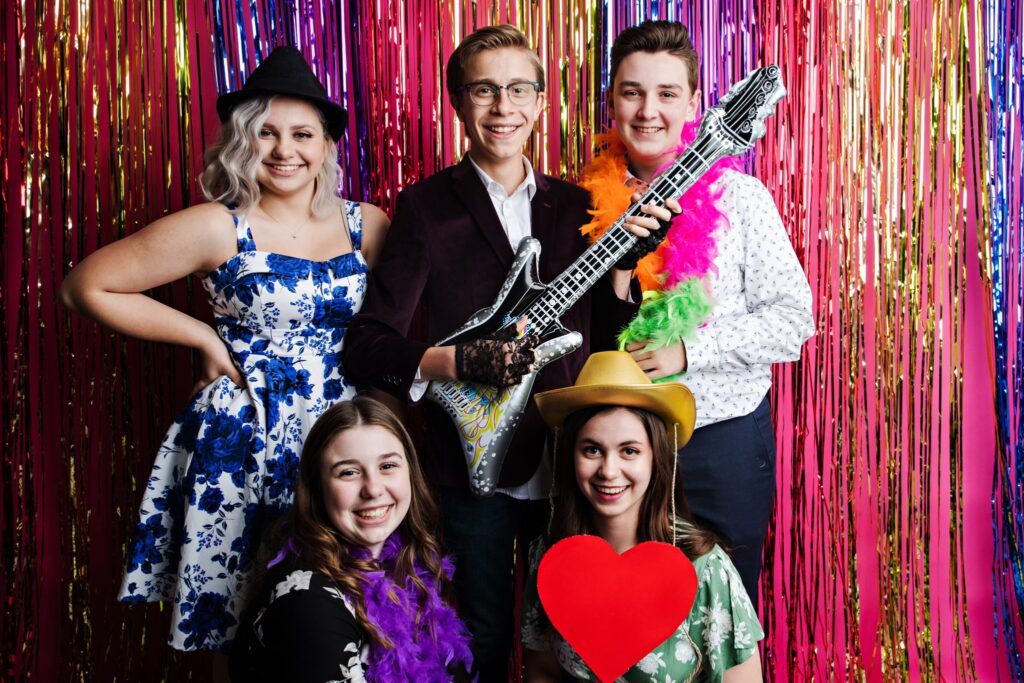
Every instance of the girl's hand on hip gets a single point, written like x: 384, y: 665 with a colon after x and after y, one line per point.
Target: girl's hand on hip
x: 215, y: 362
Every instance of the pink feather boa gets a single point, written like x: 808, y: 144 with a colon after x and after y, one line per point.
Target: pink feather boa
x: 690, y: 247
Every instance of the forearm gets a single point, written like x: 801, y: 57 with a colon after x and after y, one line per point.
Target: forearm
x: 620, y: 280
x: 140, y: 316
x: 609, y: 313
x: 771, y: 334
x: 376, y: 355
x: 747, y: 672
x: 438, y: 362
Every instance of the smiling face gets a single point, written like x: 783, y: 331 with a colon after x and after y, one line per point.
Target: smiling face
x: 613, y: 461
x: 366, y: 485
x: 498, y: 132
x: 293, y: 147
x: 651, y: 100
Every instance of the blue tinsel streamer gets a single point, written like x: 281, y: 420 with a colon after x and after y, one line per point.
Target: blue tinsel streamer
x: 1004, y: 20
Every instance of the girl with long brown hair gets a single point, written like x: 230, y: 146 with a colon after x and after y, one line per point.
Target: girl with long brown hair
x: 358, y: 588
x: 615, y: 477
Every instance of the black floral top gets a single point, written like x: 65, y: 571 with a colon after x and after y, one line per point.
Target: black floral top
x: 302, y: 628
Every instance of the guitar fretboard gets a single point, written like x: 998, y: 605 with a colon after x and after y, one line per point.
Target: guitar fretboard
x: 592, y: 264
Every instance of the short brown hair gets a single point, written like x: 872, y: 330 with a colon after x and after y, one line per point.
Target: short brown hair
x: 656, y: 36
x: 488, y: 38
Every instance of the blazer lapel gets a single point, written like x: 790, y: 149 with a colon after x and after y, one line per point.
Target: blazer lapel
x: 470, y: 189
x: 543, y: 213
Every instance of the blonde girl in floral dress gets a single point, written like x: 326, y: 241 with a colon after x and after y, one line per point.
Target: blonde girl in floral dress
x: 284, y: 260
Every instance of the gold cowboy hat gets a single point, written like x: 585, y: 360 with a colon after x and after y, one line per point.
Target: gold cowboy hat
x: 612, y: 378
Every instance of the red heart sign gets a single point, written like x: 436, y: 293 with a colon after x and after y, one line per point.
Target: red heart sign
x: 614, y: 610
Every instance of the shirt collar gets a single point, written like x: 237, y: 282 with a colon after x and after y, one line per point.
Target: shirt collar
x: 498, y: 190
x: 634, y: 183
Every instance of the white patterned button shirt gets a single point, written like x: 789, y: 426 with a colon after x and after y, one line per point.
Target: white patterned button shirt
x: 762, y: 306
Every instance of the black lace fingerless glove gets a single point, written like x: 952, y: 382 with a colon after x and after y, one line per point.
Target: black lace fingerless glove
x: 496, y: 362
x: 644, y: 246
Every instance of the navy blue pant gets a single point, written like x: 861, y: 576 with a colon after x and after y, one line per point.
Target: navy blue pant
x: 481, y: 534
x: 728, y: 471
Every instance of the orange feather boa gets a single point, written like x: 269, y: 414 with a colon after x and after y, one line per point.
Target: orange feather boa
x: 606, y: 179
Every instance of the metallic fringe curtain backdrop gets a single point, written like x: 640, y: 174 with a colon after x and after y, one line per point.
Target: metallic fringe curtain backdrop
x: 896, y: 162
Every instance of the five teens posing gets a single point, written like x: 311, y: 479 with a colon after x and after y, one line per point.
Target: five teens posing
x: 271, y: 366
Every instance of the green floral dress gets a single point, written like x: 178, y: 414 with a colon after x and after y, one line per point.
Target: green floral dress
x: 720, y: 632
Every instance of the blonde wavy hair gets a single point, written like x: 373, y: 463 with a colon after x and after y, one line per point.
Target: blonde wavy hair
x: 233, y: 159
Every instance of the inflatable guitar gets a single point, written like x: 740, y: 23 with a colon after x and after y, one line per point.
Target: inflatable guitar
x: 486, y: 417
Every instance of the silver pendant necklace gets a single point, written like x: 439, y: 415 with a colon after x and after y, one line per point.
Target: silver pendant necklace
x: 293, y: 233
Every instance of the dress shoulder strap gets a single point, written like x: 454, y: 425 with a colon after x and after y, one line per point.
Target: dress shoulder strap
x: 354, y: 223
x: 243, y: 234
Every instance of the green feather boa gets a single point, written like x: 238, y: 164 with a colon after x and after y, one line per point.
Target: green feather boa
x: 666, y: 318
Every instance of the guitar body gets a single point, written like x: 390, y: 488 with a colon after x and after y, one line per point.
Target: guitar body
x: 486, y: 417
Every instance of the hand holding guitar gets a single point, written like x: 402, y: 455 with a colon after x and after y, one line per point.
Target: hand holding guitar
x: 650, y: 229
x: 496, y: 362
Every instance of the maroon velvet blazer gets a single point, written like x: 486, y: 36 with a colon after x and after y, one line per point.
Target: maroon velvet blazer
x: 446, y: 251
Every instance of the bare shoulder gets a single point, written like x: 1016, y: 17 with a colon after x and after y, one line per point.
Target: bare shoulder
x: 206, y: 215
x: 203, y: 235
x: 373, y: 217
x: 375, y: 229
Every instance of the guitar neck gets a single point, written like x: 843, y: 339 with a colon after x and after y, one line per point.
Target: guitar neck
x: 598, y: 259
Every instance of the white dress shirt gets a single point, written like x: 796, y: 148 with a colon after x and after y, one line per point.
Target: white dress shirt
x: 762, y: 306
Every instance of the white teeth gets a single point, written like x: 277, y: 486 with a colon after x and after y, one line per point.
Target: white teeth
x: 284, y: 168
x: 375, y: 513
x: 611, y: 491
x: 502, y: 129
x: 646, y: 130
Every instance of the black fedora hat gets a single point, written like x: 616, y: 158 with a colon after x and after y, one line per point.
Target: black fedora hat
x: 285, y: 72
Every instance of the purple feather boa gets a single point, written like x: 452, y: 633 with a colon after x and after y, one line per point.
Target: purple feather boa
x: 424, y: 649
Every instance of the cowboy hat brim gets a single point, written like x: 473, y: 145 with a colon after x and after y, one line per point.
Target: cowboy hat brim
x: 671, y: 401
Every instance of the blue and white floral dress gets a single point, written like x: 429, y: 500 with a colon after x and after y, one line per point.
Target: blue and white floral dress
x: 228, y: 465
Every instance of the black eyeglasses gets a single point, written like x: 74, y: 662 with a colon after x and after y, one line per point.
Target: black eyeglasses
x: 484, y: 93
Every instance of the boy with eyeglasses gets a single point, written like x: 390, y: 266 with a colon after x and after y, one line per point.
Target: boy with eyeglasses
x: 450, y: 247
